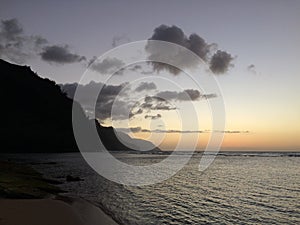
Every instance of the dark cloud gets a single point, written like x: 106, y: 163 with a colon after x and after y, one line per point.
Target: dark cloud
x: 153, y: 117
x: 40, y: 41
x: 158, y: 66
x: 112, y: 102
x: 106, y: 100
x: 208, y: 96
x: 135, y: 111
x: 250, y: 67
x: 60, y: 54
x: 168, y: 95
x: 146, y: 86
x: 174, y: 34
x: 106, y: 66
x: 220, y: 62
x: 156, y: 103
x: 189, y: 94
x: 114, y: 98
x: 114, y: 109
x: 15, y: 45
x: 11, y: 29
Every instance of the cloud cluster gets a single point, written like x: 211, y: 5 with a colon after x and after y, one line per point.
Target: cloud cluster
x: 16, y: 46
x: 185, y: 95
x: 113, y: 100
x: 219, y: 61
x: 156, y: 103
x: 106, y: 66
x: 146, y: 86
x: 105, y: 101
x: 163, y: 101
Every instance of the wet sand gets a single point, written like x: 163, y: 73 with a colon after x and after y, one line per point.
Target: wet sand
x: 51, y: 212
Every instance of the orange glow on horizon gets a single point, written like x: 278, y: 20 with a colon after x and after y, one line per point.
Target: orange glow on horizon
x: 231, y: 141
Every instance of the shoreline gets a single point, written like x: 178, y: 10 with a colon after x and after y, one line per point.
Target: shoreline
x: 27, y: 198
x: 67, y: 211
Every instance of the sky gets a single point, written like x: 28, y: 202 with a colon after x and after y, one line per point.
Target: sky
x: 257, y: 68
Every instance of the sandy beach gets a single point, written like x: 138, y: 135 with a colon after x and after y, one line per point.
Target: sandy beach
x: 51, y: 212
x: 27, y: 198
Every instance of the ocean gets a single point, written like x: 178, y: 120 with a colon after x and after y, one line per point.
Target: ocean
x: 237, y: 188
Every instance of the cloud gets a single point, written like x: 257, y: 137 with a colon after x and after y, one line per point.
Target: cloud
x: 11, y: 29
x: 156, y: 103
x: 136, y: 68
x: 173, y: 131
x: 208, y: 96
x: 220, y: 62
x: 109, y: 97
x: 139, y: 129
x: 193, y: 131
x: 115, y: 97
x: 140, y: 69
x: 174, y: 34
x: 15, y: 45
x: 119, y: 39
x: 252, y: 68
x: 129, y: 130
x: 153, y: 117
x: 60, y: 54
x: 112, y: 102
x: 148, y: 104
x: 106, y: 66
x: 135, y: 111
x: 146, y: 86
x: 233, y: 131
x: 186, y: 95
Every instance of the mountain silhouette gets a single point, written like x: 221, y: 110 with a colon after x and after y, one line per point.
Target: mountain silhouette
x: 36, y: 116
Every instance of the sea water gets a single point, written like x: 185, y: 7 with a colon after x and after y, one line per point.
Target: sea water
x: 237, y: 188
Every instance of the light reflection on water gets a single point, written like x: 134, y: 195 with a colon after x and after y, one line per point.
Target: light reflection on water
x: 233, y: 190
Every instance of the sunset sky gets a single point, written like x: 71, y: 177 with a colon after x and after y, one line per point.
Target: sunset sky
x: 259, y: 81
